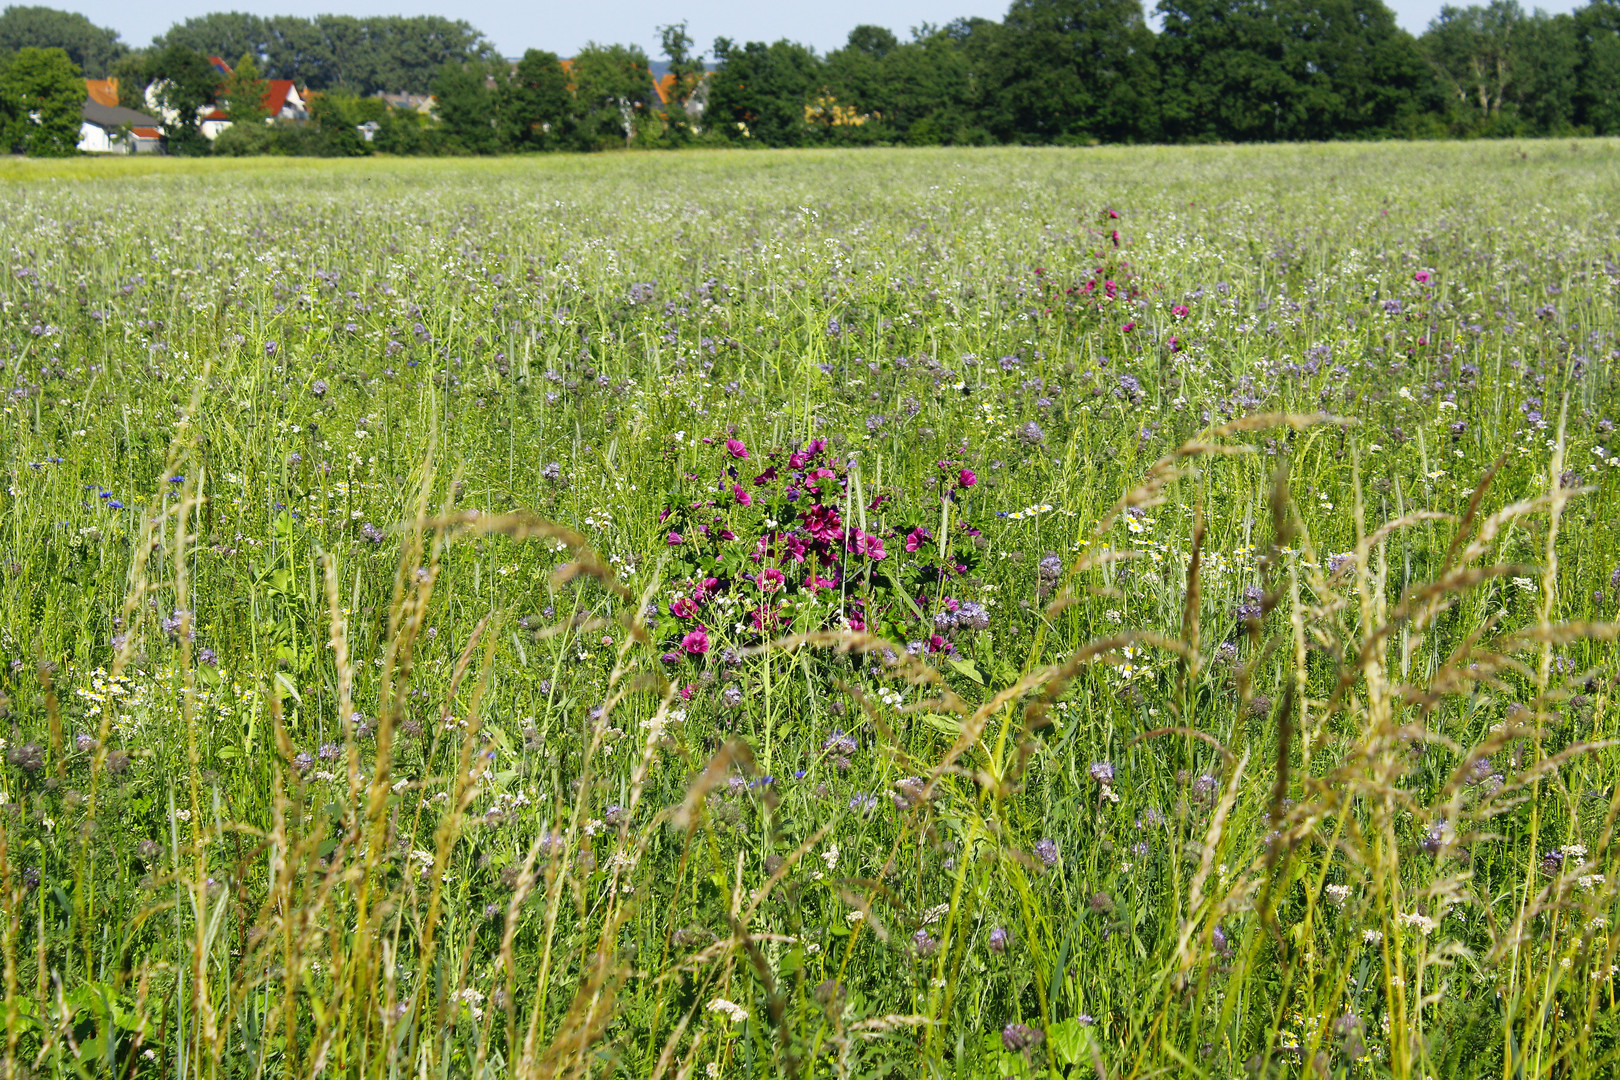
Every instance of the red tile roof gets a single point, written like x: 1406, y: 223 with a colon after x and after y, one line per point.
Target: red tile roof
x: 274, y: 100
x: 275, y: 95
x: 102, y: 91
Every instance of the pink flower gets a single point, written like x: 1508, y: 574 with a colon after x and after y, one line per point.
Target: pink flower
x: 966, y: 479
x: 1175, y: 344
x: 673, y: 539
x: 1179, y: 311
x: 684, y: 608
x: 1127, y: 328
x: 856, y: 623
x: 705, y: 587
x: 916, y: 538
x: 687, y: 691
x: 865, y: 544
x: 742, y: 497
x: 770, y: 579
x: 814, y: 583
x: 695, y: 643
x: 1422, y: 277
x: 736, y: 449
x: 822, y: 522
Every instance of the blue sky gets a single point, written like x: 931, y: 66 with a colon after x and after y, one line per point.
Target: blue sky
x: 515, y: 25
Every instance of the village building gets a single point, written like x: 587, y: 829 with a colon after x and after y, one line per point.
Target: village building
x: 107, y: 127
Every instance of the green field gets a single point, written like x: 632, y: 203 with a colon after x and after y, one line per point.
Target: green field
x: 1117, y: 612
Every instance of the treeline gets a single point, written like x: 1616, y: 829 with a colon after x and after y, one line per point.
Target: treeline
x: 1074, y: 72
x: 1082, y: 71
x: 361, y: 55
x: 1050, y: 72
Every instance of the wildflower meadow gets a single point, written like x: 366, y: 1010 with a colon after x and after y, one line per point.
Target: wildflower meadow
x: 900, y: 613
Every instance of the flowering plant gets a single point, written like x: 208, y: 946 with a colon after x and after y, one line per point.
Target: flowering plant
x: 765, y: 542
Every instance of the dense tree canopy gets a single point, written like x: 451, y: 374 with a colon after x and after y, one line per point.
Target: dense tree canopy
x: 613, y: 95
x: 91, y: 47
x: 374, y: 54
x: 184, y: 84
x: 41, y: 91
x: 535, y: 106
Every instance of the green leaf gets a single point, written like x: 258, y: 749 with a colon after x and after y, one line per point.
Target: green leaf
x: 966, y: 667
x: 1070, y: 1041
x: 945, y: 725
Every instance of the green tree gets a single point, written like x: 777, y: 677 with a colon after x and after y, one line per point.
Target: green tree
x: 1474, y: 53
x: 185, y: 85
x: 334, y: 127
x: 222, y: 34
x: 1597, y: 67
x: 686, y: 69
x: 465, y: 97
x: 92, y: 47
x: 533, y: 107
x: 1231, y: 72
x: 1547, y: 74
x: 921, y: 92
x: 860, y: 77
x: 613, y: 95
x: 759, y: 92
x: 405, y: 131
x: 41, y: 93
x: 241, y: 96
x: 1078, y: 70
x: 1356, y: 73
x: 245, y: 140
x: 130, y: 71
x: 364, y: 55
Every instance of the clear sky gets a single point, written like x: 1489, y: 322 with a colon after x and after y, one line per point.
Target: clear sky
x: 515, y: 25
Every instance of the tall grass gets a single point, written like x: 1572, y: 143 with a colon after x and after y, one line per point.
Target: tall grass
x: 1249, y: 711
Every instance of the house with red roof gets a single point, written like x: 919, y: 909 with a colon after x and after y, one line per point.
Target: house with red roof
x: 282, y: 101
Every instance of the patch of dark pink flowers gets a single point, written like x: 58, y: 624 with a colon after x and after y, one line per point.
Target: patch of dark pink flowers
x: 772, y: 529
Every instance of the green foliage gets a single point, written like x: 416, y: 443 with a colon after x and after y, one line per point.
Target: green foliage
x: 406, y: 131
x: 686, y: 70
x: 241, y: 95
x: 759, y: 92
x: 466, y: 96
x: 246, y: 138
x: 922, y: 92
x: 1597, y: 43
x: 131, y: 72
x: 41, y: 93
x: 1077, y: 71
x: 361, y: 55
x: 336, y: 119
x: 186, y: 86
x: 1503, y: 72
x: 534, y: 106
x: 93, y: 48
x: 613, y: 96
